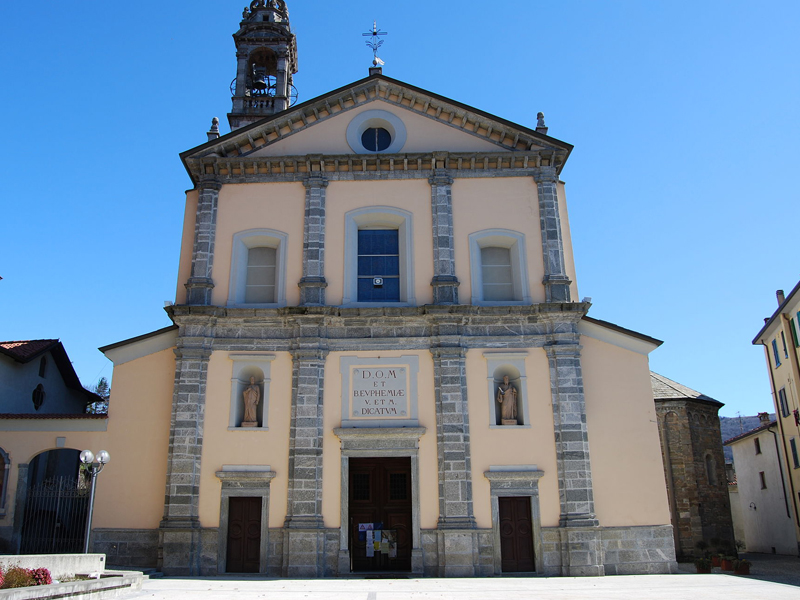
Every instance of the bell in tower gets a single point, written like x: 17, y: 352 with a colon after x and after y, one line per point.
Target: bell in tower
x: 266, y: 55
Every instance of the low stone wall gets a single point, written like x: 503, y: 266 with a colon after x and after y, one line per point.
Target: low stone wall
x: 94, y: 589
x: 136, y: 548
x: 59, y: 565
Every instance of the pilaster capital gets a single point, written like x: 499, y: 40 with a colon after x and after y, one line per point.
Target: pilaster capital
x: 315, y: 181
x: 440, y: 177
x: 309, y: 354
x: 187, y: 353
x: 563, y: 350
x: 210, y: 184
x: 545, y: 175
x: 449, y: 352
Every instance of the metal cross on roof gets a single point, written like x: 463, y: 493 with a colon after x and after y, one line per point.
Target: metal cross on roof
x: 375, y: 42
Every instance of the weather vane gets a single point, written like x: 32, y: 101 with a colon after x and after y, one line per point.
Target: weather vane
x: 375, y: 42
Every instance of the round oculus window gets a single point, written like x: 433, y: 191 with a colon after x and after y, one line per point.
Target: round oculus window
x: 376, y: 139
x: 376, y: 131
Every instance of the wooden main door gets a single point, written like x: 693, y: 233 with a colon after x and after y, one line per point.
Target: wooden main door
x: 380, y: 492
x: 516, y: 534
x: 244, y: 535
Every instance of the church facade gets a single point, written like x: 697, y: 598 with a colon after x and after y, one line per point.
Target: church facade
x: 379, y: 359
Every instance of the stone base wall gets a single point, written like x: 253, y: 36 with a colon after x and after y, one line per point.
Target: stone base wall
x: 639, y: 550
x: 625, y: 551
x: 7, y: 545
x: 136, y: 548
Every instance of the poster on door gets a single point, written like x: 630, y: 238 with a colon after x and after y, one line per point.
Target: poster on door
x: 378, y: 540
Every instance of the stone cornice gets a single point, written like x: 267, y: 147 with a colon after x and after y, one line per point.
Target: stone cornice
x: 344, y: 167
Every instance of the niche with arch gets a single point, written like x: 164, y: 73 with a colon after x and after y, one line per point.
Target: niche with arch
x: 511, y: 365
x: 245, y: 367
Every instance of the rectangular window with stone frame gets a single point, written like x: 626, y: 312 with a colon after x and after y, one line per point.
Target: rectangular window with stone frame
x: 775, y: 353
x: 261, y: 275
x: 782, y: 402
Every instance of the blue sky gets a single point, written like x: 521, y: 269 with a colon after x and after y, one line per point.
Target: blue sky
x: 682, y: 186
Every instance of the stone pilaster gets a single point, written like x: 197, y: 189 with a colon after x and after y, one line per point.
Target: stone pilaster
x: 200, y: 284
x: 555, y: 279
x: 457, y: 542
x: 180, y: 528
x: 313, y: 284
x: 304, y: 534
x: 581, y: 546
x: 445, y: 283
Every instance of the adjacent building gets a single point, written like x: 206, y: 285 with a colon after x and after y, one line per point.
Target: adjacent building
x: 781, y: 342
x: 765, y: 510
x: 379, y: 360
x: 694, y: 465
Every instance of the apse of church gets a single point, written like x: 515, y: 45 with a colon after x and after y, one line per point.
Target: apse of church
x: 410, y: 384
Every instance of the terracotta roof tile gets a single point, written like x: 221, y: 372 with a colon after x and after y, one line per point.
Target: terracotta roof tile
x: 25, y: 350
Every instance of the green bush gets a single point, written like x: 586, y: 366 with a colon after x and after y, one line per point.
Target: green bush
x: 17, y: 577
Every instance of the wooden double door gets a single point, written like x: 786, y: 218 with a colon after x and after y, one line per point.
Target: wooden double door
x: 380, y: 493
x: 244, y: 535
x: 516, y: 534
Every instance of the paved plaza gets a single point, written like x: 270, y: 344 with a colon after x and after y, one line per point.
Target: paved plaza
x: 772, y: 577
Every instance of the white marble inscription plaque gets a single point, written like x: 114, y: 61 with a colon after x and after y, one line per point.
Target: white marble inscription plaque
x: 379, y: 392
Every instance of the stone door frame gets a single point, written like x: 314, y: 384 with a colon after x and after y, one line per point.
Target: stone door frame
x: 516, y: 481
x: 379, y: 442
x: 243, y: 482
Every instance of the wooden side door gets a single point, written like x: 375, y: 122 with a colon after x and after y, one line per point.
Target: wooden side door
x: 516, y: 535
x: 244, y: 535
x: 380, y: 492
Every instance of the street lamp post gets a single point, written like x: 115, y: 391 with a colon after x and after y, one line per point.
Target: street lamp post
x: 94, y: 468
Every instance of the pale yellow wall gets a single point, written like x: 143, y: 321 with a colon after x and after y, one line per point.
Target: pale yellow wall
x: 187, y: 246
x: 497, y: 203
x: 423, y: 135
x: 500, y: 446
x: 566, y: 236
x: 627, y: 470
x: 278, y: 206
x: 223, y: 447
x: 413, y: 196
x: 130, y: 490
x: 331, y: 447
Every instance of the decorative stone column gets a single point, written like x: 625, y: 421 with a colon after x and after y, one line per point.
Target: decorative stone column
x: 282, y: 83
x: 555, y: 279
x: 304, y: 536
x: 200, y: 284
x: 180, y: 528
x: 445, y: 283
x: 313, y: 284
x: 457, y: 538
x: 581, y: 548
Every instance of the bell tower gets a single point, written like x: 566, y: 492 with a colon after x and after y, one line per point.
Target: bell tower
x: 266, y: 60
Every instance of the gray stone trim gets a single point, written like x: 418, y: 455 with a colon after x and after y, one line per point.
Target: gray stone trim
x: 241, y: 484
x: 200, y: 284
x: 571, y: 436
x: 355, y: 167
x: 20, y: 501
x: 452, y: 438
x: 304, y: 503
x: 179, y: 535
x: 380, y: 442
x: 555, y: 280
x: 5, y: 467
x: 313, y: 284
x: 516, y: 483
x: 445, y: 284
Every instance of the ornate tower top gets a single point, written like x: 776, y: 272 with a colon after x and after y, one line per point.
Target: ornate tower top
x: 266, y: 56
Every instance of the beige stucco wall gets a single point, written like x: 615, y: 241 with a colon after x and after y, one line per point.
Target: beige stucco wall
x: 498, y: 446
x: 502, y: 203
x: 277, y: 206
x: 245, y: 447
x: 627, y: 470
x: 331, y: 447
x: 423, y: 135
x: 187, y: 246
x: 130, y: 490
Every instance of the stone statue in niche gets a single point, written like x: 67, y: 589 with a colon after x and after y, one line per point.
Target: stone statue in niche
x: 251, y: 397
x: 507, y: 397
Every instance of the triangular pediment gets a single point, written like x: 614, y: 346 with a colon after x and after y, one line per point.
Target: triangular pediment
x: 432, y: 124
